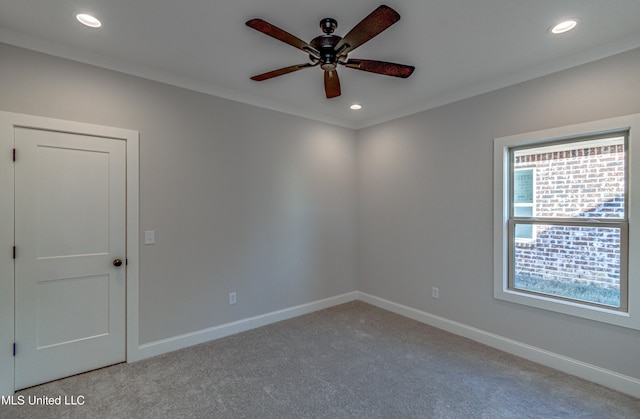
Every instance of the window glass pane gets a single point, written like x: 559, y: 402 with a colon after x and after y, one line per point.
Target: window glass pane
x: 523, y: 186
x: 523, y: 211
x: 584, y: 179
x: 524, y: 231
x: 575, y: 262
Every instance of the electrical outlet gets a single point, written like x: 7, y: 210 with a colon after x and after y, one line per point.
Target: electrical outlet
x: 435, y: 293
x: 232, y: 298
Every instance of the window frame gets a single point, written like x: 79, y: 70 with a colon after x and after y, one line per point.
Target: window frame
x: 503, y: 251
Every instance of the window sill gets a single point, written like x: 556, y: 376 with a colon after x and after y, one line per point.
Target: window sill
x: 600, y: 314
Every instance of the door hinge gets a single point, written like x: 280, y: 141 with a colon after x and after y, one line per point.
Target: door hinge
x: 14, y: 349
x: 14, y: 252
x: 14, y: 154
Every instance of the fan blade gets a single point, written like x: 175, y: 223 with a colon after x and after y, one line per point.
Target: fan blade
x: 275, y: 32
x: 282, y: 71
x: 331, y: 84
x: 379, y: 20
x: 381, y: 67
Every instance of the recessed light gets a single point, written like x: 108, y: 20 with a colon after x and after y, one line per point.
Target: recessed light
x: 564, y: 26
x: 88, y: 20
x: 356, y: 106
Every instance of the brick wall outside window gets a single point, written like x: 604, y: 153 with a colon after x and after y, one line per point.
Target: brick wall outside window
x: 583, y: 183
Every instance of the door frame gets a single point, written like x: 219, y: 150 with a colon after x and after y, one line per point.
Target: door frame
x: 8, y: 122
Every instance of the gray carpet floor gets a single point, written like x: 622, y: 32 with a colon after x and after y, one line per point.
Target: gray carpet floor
x: 349, y: 361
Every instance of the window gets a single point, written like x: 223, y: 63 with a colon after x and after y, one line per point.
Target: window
x: 578, y: 183
x: 563, y: 224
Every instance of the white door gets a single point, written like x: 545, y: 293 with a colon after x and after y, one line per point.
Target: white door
x: 70, y: 220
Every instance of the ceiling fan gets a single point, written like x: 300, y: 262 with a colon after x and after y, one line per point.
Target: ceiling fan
x: 329, y: 50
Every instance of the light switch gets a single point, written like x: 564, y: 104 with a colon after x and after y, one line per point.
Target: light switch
x: 149, y: 237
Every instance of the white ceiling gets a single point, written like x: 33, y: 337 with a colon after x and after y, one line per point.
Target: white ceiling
x: 460, y: 48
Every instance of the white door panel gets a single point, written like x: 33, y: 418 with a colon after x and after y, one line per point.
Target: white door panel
x: 64, y: 175
x: 70, y: 220
x: 60, y: 300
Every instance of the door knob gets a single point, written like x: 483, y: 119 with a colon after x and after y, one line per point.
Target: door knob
x: 117, y: 262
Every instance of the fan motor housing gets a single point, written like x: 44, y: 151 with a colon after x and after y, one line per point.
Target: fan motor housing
x: 326, y: 45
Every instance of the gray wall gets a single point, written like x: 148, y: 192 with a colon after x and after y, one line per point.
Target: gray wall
x: 426, y: 207
x: 241, y: 198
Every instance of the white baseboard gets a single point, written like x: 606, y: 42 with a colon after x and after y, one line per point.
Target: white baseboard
x: 607, y: 378
x: 189, y: 339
